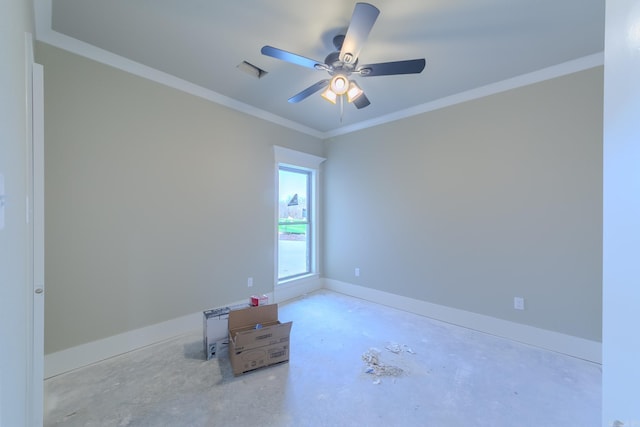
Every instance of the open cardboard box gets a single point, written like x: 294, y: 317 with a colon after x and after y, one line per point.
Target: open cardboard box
x: 251, y: 348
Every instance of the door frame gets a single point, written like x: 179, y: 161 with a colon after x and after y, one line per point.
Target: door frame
x: 35, y: 221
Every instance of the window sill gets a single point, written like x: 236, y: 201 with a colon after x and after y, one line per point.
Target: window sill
x: 297, y: 280
x: 296, y: 287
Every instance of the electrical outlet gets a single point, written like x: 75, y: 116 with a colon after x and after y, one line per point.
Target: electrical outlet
x: 518, y: 303
x: 357, y: 272
x: 250, y: 282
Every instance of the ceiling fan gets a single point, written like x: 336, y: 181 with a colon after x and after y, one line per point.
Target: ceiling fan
x: 343, y: 63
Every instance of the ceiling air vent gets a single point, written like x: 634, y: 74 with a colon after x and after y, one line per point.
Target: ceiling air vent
x: 251, y: 69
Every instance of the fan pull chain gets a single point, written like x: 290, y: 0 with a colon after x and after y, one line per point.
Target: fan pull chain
x: 341, y: 107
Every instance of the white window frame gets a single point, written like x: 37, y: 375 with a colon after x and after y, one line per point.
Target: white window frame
x: 309, y: 162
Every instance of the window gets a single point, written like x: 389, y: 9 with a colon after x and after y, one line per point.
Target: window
x: 297, y: 206
x: 294, y: 219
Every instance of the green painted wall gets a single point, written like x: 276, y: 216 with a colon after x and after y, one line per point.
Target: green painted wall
x: 471, y: 205
x: 159, y: 204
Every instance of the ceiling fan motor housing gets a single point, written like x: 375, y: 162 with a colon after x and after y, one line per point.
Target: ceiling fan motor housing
x: 338, y: 66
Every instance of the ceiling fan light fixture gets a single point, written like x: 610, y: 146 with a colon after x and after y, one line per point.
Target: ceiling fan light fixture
x: 339, y: 84
x: 330, y: 95
x: 354, y: 91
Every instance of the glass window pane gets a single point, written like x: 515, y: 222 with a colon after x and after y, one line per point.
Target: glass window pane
x: 292, y: 252
x: 294, y: 240
x: 293, y: 195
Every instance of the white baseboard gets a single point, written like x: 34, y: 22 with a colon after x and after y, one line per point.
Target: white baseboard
x: 297, y: 288
x: 95, y: 351
x: 85, y: 354
x: 554, y: 341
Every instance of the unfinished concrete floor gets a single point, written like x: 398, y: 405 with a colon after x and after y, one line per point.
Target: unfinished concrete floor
x: 451, y: 376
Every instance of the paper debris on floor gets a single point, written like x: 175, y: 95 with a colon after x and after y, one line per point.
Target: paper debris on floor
x: 376, y: 367
x: 397, y: 348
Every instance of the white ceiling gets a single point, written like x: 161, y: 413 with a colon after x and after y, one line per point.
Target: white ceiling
x: 196, y: 45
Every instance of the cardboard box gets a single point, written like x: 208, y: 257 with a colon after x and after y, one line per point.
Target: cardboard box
x: 257, y: 338
x: 215, y: 330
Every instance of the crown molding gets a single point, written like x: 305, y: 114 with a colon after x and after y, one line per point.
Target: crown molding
x: 86, y: 50
x: 548, y: 73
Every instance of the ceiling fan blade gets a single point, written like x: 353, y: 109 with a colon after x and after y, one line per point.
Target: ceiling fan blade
x: 411, y: 66
x: 309, y: 91
x: 362, y: 20
x: 291, y: 57
x: 361, y: 101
